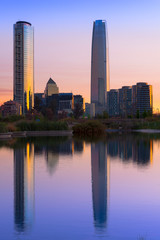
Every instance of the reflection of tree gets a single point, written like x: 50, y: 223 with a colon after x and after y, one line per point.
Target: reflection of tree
x: 99, y: 183
x: 23, y: 187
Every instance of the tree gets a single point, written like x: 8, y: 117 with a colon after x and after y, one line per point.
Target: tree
x: 105, y: 115
x: 144, y: 114
x: 49, y: 114
x: 78, y: 110
x: 53, y: 106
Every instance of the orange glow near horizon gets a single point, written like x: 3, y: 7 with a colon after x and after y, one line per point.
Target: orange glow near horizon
x: 68, y: 61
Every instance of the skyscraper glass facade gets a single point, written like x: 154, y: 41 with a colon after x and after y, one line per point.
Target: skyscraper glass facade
x: 24, y: 65
x: 99, y: 63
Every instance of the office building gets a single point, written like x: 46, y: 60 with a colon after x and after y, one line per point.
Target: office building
x: 99, y: 66
x: 51, y: 88
x: 66, y: 102
x: 23, y: 85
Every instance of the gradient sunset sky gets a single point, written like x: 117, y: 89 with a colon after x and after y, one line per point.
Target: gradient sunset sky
x: 63, y: 35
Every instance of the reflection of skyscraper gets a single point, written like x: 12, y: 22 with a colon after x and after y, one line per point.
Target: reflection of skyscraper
x: 139, y: 150
x: 99, y: 64
x: 52, y: 159
x: 142, y: 152
x: 78, y: 146
x: 23, y: 187
x: 23, y: 65
x: 99, y: 183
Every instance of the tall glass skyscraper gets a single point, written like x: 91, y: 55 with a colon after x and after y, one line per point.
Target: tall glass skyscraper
x: 23, y: 85
x: 99, y: 64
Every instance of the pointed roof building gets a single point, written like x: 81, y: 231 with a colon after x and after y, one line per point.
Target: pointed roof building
x: 51, y: 88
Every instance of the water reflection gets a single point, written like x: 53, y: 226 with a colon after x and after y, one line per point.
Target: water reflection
x: 53, y: 149
x: 125, y: 148
x: 100, y: 180
x: 23, y: 187
x: 128, y: 149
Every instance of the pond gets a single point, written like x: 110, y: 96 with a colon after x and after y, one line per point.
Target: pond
x: 64, y: 188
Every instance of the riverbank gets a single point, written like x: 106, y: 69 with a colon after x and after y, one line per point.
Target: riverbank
x: 80, y: 127
x: 67, y: 133
x: 22, y: 134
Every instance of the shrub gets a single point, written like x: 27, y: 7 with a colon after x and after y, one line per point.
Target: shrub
x: 11, y: 127
x: 89, y: 128
x: 3, y: 128
x: 13, y: 118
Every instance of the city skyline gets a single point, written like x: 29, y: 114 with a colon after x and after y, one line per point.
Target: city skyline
x: 133, y: 39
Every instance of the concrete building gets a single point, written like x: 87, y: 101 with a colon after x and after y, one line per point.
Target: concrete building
x: 41, y: 99
x: 112, y: 103
x: 51, y: 88
x: 134, y: 100
x: 66, y: 102
x: 125, y: 101
x: 128, y: 101
x: 144, y: 98
x: 78, y: 99
x: 53, y: 103
x: 99, y: 66
x: 87, y: 109
x: 90, y: 110
x: 10, y: 108
x: 23, y: 84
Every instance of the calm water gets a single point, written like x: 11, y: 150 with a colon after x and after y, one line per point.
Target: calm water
x: 60, y: 188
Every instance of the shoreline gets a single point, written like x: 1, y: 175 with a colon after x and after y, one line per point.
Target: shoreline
x: 56, y: 133
x: 69, y: 133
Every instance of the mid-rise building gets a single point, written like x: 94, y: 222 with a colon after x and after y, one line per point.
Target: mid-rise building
x: 66, y: 102
x: 23, y: 85
x: 10, y: 108
x: 87, y: 109
x: 78, y: 99
x: 112, y: 103
x: 128, y: 101
x: 134, y: 100
x: 144, y: 98
x: 125, y: 101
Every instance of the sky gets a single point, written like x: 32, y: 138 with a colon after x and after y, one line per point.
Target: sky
x: 62, y: 43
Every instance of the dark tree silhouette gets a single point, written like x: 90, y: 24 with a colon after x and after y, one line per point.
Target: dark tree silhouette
x: 78, y: 111
x: 37, y: 104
